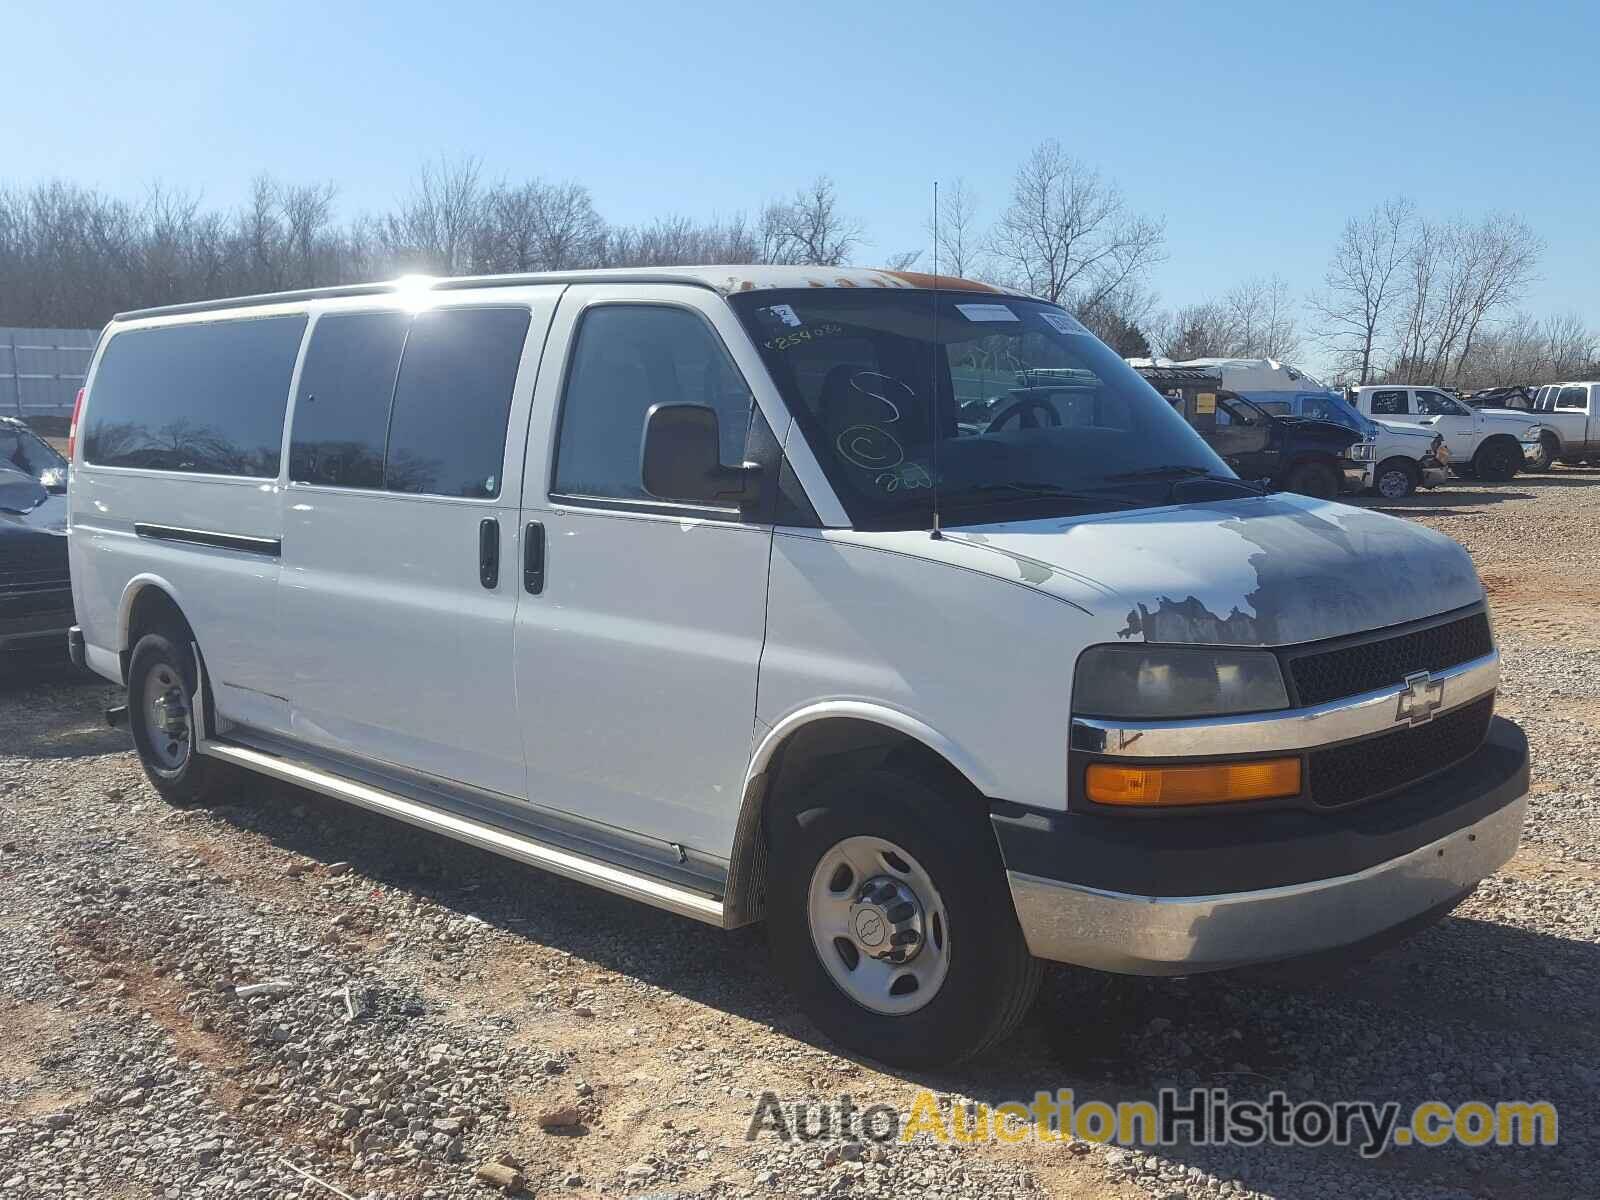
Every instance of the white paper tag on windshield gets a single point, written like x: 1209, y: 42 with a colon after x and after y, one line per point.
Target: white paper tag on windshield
x: 785, y: 314
x: 987, y: 312
x: 1061, y: 322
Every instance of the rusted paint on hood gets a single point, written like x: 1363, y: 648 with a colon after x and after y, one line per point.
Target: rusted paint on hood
x: 1274, y: 571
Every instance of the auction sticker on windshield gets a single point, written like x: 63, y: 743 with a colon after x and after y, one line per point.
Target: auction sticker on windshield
x: 784, y: 313
x: 1062, y: 323
x: 987, y: 312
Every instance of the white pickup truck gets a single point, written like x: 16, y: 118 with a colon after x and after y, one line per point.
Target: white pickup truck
x: 1569, y: 424
x: 1483, y: 442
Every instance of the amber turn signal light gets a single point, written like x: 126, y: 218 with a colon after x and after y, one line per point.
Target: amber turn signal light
x: 1219, y: 783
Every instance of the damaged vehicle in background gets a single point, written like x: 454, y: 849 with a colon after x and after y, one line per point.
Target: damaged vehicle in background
x: 1293, y: 454
x: 1482, y: 443
x: 35, y: 592
x: 1394, y: 460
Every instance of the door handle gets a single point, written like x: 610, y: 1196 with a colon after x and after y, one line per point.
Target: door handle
x: 489, y: 552
x: 533, y: 557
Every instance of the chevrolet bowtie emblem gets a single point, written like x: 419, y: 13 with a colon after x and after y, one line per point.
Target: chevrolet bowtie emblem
x: 1421, y: 699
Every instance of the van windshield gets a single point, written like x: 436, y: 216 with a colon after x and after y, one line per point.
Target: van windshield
x: 1035, y: 415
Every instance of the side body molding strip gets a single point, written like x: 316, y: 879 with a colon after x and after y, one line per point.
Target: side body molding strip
x: 270, y: 547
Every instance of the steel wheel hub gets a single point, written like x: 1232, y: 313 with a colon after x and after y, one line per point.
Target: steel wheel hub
x: 878, y: 924
x: 166, y: 718
x: 1393, y: 484
x: 886, y: 920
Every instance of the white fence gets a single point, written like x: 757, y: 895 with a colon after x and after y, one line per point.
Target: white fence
x: 41, y: 370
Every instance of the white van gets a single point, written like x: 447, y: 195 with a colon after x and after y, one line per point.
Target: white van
x: 706, y: 586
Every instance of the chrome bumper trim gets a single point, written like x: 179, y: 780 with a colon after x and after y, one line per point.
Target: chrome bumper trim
x: 1294, y: 729
x: 1162, y: 935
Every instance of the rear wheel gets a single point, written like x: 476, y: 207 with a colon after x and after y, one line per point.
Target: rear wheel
x: 1498, y: 460
x: 162, y: 691
x: 890, y: 918
x: 1396, y: 478
x: 1316, y: 479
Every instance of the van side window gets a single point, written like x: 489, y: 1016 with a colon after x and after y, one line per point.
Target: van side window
x: 447, y: 431
x: 341, y: 412
x: 1389, y: 403
x: 627, y: 358
x: 207, y: 397
x: 1572, y: 397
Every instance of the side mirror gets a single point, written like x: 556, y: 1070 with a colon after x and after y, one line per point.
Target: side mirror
x: 681, y: 459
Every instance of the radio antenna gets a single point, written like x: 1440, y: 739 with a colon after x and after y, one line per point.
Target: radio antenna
x: 933, y: 371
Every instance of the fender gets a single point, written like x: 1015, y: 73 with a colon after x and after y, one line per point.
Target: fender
x: 742, y: 899
x: 130, y: 593
x: 876, y: 714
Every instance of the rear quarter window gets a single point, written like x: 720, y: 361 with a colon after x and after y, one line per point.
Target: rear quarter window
x: 208, y: 398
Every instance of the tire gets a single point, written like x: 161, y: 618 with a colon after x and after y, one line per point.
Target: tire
x: 1396, y: 478
x: 975, y: 977
x: 163, y: 664
x: 1315, y: 479
x: 1497, y: 460
x: 1550, y: 451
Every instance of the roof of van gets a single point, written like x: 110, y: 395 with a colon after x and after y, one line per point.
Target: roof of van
x: 1245, y: 374
x: 725, y: 279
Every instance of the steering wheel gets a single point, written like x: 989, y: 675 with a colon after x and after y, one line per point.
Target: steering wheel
x: 1023, y: 408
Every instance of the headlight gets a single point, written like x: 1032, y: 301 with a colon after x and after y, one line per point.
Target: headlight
x: 1364, y: 451
x: 52, y: 478
x: 1163, y: 683
x: 1533, y: 433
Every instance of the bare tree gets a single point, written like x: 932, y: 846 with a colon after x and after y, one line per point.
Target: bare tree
x: 809, y: 229
x: 1203, y: 330
x: 1123, y: 319
x: 440, y: 224
x: 955, y: 234
x: 1263, y: 320
x: 1067, y: 234
x: 1499, y: 259
x: 1364, y: 284
x: 1460, y: 277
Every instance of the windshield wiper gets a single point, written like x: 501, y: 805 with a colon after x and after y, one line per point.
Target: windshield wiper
x: 1025, y: 489
x: 1163, y: 472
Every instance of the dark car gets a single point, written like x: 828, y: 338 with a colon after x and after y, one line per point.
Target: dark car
x: 22, y: 449
x: 35, y: 591
x: 1296, y: 454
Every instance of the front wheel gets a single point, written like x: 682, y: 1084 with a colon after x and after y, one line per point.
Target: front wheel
x: 1396, y: 478
x: 890, y: 919
x: 1498, y: 460
x: 1315, y: 479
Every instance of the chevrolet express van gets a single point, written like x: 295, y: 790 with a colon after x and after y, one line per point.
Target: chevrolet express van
x: 703, y: 586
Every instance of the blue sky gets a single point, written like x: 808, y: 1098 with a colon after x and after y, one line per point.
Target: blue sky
x: 1254, y: 129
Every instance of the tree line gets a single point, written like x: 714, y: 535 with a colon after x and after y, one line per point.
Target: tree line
x: 1405, y: 297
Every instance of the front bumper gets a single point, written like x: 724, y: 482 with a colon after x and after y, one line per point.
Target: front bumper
x: 1433, y: 472
x: 1207, y: 892
x: 1352, y: 474
x: 1532, y: 450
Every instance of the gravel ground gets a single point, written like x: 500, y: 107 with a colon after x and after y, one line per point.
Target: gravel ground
x: 288, y: 996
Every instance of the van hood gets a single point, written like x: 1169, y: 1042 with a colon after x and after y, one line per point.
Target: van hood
x: 1257, y: 571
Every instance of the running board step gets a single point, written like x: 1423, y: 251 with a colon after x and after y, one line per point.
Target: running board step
x: 475, y: 833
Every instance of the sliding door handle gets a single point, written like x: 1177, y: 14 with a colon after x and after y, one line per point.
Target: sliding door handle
x: 489, y: 552
x: 533, y: 558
